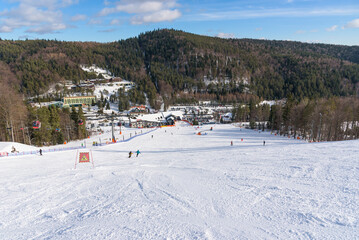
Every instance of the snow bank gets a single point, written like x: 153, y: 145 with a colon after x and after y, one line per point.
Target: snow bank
x: 7, y: 147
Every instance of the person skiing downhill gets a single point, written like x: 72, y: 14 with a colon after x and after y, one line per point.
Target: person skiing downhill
x: 130, y: 154
x: 40, y: 152
x: 137, y: 152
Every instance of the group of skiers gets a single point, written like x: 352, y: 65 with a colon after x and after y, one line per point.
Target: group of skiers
x: 130, y: 153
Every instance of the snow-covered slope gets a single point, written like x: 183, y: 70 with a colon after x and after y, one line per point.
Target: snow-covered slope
x: 185, y: 186
x: 105, y: 73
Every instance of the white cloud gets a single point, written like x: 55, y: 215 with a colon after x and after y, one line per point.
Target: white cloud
x: 115, y: 22
x: 300, y: 32
x: 230, y: 14
x: 145, y: 11
x: 47, y: 28
x: 95, y: 22
x: 160, y: 16
x: 225, y: 35
x: 41, y: 16
x: 50, y: 4
x: 78, y: 17
x: 332, y: 28
x: 108, y: 30
x: 352, y: 24
x: 6, y: 29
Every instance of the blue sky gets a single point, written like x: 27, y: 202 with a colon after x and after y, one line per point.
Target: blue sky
x: 316, y: 21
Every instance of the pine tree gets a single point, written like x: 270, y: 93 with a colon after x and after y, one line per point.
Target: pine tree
x: 56, y: 133
x: 43, y: 134
x: 287, y: 113
x: 82, y: 133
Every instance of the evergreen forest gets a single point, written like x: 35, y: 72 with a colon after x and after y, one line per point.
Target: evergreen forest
x: 175, y: 67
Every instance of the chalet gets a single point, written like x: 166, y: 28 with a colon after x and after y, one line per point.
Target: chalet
x: 226, y: 118
x: 137, y: 110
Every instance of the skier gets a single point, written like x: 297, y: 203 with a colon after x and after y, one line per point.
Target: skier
x: 129, y: 154
x: 231, y: 143
x: 137, y: 152
x: 264, y: 143
x: 40, y: 151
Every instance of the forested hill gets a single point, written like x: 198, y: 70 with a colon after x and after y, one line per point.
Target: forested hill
x: 176, y: 64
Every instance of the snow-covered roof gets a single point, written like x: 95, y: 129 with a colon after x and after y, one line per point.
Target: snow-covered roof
x: 159, y: 117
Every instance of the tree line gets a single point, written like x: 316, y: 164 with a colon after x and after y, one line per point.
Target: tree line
x: 17, y: 121
x: 331, y: 119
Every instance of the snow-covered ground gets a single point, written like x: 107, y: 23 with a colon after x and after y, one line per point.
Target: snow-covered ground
x: 106, y: 90
x: 186, y: 186
x: 105, y: 73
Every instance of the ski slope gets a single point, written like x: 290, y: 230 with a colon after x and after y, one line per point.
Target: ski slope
x: 186, y: 186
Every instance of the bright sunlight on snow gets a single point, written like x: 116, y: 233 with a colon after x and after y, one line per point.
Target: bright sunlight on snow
x: 186, y: 186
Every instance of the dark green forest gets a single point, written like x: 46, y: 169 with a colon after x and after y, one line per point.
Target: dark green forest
x: 169, y: 62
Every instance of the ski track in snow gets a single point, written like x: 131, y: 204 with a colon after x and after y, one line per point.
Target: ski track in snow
x: 185, y: 186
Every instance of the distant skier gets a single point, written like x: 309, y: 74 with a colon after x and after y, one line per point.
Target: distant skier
x: 137, y: 152
x: 231, y: 143
x: 40, y: 151
x: 264, y: 143
x: 130, y: 154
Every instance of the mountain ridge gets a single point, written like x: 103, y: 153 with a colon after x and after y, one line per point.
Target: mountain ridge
x: 169, y: 63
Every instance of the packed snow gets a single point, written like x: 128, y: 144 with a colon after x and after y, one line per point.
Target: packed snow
x: 185, y: 186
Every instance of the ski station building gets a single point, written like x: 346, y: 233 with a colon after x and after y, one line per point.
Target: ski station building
x: 78, y: 101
